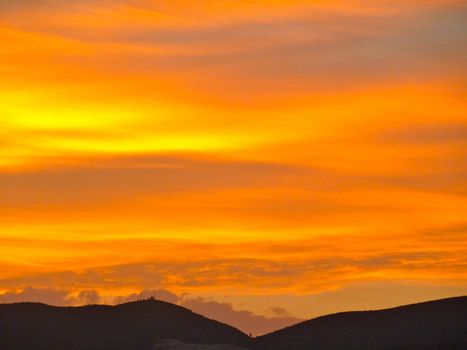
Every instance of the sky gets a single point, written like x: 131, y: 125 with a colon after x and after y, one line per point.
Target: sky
x: 260, y: 162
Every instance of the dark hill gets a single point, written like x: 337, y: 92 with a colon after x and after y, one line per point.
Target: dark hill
x: 131, y: 326
x: 435, y: 325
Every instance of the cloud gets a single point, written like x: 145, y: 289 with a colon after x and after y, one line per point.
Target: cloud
x: 88, y: 297
x: 54, y: 5
x: 118, y: 178
x: 332, y: 50
x: 427, y: 133
x: 40, y: 295
x: 244, y: 320
x: 305, y: 266
x: 320, y: 49
x: 279, y: 311
x: 51, y: 296
x: 272, y: 264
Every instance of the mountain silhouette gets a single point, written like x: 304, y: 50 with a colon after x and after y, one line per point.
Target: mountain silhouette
x: 130, y: 326
x: 435, y: 325
x: 157, y: 325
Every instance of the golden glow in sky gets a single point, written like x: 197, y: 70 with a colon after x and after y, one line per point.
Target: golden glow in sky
x: 307, y: 155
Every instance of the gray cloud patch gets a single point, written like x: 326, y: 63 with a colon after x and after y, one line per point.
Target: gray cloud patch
x: 310, y: 51
x: 244, y: 320
x: 47, y: 296
x: 128, y: 177
x: 438, y: 133
x: 50, y: 296
x: 324, y: 51
x: 88, y: 297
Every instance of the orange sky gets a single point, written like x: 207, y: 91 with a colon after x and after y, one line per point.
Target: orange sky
x: 307, y: 155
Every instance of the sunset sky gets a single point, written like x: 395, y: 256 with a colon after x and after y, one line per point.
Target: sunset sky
x: 284, y: 158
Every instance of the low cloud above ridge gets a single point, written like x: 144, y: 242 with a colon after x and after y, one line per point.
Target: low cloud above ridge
x: 244, y: 320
